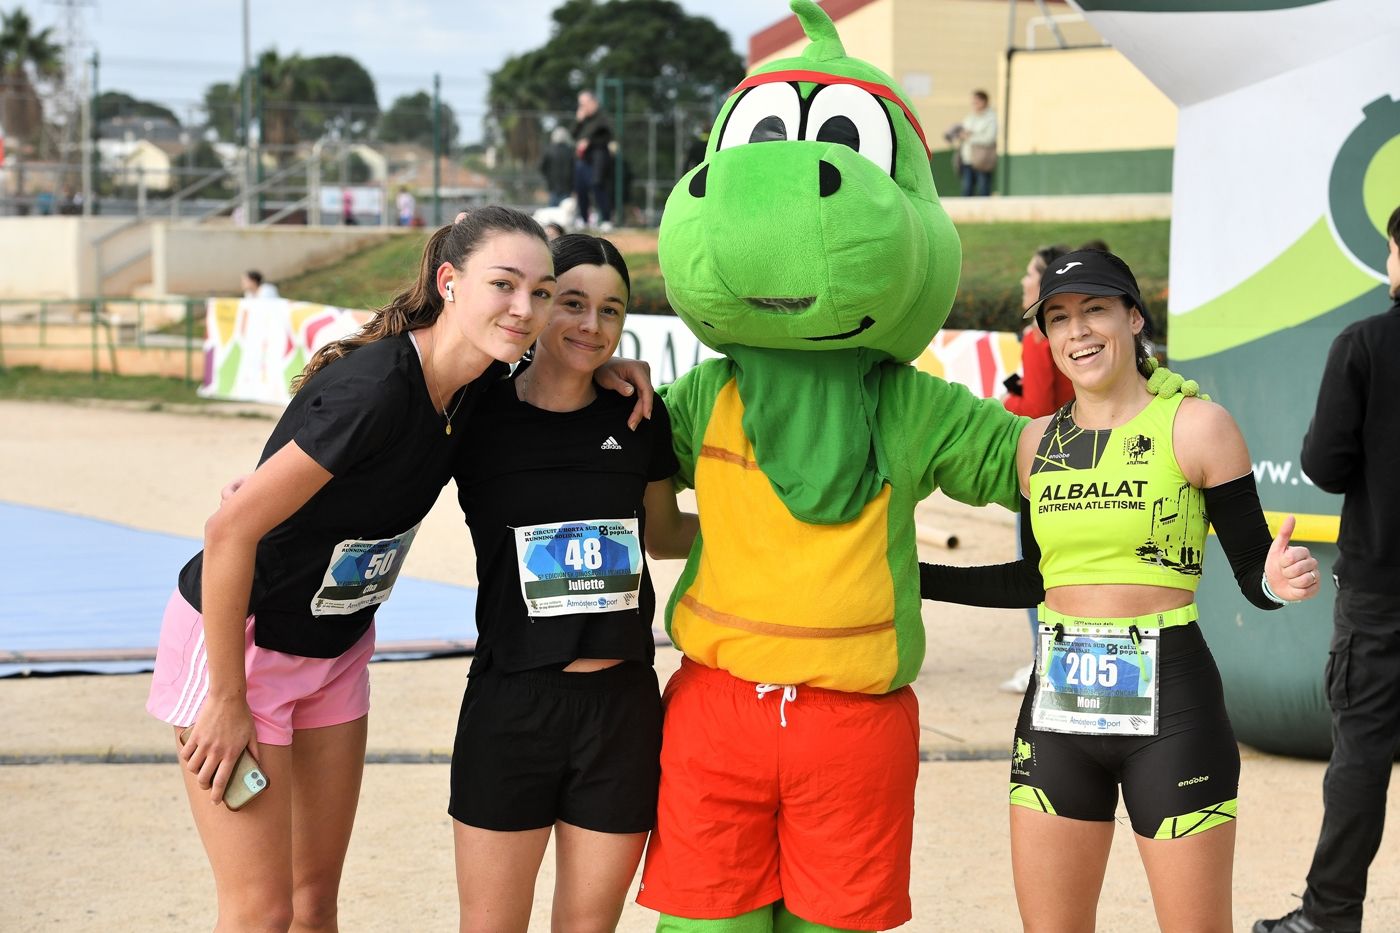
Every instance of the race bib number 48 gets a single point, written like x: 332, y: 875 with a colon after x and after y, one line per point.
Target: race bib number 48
x: 361, y: 574
x: 580, y: 567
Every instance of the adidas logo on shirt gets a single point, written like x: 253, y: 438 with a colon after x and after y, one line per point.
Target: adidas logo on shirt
x: 611, y: 444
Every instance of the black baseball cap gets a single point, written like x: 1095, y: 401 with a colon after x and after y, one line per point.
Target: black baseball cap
x: 1089, y: 272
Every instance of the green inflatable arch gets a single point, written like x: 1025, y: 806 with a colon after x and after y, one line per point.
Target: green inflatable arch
x: 1273, y: 663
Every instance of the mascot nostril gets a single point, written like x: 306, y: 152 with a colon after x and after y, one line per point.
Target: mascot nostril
x: 697, y: 182
x: 830, y: 178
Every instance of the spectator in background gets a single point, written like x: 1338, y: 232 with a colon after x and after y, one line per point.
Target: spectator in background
x: 255, y: 287
x: 407, y: 206
x: 977, y: 152
x: 1351, y: 448
x: 347, y: 207
x: 557, y: 166
x: 592, y: 162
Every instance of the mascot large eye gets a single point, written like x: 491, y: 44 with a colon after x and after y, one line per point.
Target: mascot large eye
x: 849, y: 116
x: 767, y: 113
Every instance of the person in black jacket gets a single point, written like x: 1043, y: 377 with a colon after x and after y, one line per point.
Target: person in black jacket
x: 593, y: 163
x: 557, y: 166
x: 1352, y: 448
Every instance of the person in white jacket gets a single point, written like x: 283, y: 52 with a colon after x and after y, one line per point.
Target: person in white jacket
x: 978, y: 152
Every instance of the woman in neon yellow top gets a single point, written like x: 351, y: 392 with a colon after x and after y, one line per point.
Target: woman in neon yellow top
x: 1120, y: 489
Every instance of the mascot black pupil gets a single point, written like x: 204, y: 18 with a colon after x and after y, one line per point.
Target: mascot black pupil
x: 769, y: 129
x: 840, y: 130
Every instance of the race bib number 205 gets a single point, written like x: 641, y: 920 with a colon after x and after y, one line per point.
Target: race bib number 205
x: 1096, y: 682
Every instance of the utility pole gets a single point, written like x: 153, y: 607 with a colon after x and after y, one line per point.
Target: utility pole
x: 90, y: 134
x: 247, y: 135
x: 437, y: 151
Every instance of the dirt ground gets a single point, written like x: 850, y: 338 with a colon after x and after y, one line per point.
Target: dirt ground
x: 95, y: 846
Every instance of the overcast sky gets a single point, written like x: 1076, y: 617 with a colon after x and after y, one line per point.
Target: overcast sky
x: 169, y: 51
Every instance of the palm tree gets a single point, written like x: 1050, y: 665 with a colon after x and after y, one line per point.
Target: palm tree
x: 286, y: 85
x: 26, y: 57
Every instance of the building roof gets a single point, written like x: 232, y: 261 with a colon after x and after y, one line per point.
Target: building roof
x: 788, y: 30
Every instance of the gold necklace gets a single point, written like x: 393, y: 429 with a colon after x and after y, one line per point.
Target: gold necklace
x: 432, y: 354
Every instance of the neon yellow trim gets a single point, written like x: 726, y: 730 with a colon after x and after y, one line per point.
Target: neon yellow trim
x: 1170, y: 618
x: 1309, y: 279
x: 1032, y: 798
x: 1315, y: 528
x: 1189, y: 824
x: 1322, y: 528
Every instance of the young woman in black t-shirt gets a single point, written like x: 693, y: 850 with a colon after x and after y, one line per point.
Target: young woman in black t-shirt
x: 560, y: 728
x: 266, y: 643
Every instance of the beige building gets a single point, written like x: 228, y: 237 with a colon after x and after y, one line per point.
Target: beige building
x: 1116, y: 138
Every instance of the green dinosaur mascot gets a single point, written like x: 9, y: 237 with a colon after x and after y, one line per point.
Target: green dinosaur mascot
x: 811, y: 250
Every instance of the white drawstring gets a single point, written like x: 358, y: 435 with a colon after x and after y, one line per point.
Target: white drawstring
x: 789, y: 695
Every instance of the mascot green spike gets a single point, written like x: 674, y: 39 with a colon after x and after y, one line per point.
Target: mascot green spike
x: 811, y: 250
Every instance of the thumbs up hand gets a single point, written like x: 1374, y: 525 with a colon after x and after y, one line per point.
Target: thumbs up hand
x: 1291, y: 570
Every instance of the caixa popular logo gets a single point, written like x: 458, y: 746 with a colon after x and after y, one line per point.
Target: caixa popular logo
x: 1365, y: 183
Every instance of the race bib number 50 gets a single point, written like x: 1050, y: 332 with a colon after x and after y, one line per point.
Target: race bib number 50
x: 360, y: 574
x: 580, y: 567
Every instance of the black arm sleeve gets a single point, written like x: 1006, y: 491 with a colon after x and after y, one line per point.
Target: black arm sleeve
x: 1015, y: 585
x: 1234, y: 511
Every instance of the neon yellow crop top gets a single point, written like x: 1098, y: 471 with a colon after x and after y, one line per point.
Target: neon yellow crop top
x: 1112, y: 506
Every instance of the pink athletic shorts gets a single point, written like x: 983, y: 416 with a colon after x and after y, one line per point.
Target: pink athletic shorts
x: 286, y: 692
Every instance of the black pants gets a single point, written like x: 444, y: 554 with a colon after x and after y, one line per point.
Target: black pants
x: 1363, y: 689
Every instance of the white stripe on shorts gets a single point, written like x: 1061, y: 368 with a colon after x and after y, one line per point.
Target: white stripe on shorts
x: 196, y: 684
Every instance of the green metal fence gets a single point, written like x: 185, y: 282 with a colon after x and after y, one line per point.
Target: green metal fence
x: 110, y: 330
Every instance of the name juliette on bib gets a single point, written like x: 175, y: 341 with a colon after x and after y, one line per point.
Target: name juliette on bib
x: 595, y: 556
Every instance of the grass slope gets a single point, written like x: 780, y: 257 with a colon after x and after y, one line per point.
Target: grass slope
x: 989, y: 297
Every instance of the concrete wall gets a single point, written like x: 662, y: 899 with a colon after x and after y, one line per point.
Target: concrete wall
x: 53, y: 257
x: 1123, y: 110
x: 47, y: 257
x: 199, y: 260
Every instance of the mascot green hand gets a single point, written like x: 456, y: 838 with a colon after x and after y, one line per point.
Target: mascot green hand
x: 811, y: 250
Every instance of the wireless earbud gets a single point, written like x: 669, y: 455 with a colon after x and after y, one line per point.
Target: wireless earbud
x: 449, y: 292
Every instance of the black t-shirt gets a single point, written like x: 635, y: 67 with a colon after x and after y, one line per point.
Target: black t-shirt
x: 367, y: 419
x: 531, y: 467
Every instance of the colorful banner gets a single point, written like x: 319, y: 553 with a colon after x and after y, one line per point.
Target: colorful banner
x: 255, y: 347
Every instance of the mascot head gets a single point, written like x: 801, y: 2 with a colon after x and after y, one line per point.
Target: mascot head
x: 813, y: 223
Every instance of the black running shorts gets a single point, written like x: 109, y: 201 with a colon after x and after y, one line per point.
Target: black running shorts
x: 1182, y: 781
x: 539, y: 746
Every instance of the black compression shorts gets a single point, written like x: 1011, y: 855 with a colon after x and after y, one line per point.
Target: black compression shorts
x: 543, y: 745
x: 1183, y: 780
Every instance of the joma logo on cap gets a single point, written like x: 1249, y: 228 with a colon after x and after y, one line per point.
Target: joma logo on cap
x: 1068, y: 267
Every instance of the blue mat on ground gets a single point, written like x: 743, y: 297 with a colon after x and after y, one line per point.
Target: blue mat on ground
x: 87, y: 595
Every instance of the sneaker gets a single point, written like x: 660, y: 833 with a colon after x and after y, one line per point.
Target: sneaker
x: 1295, y: 921
x: 1019, y: 681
